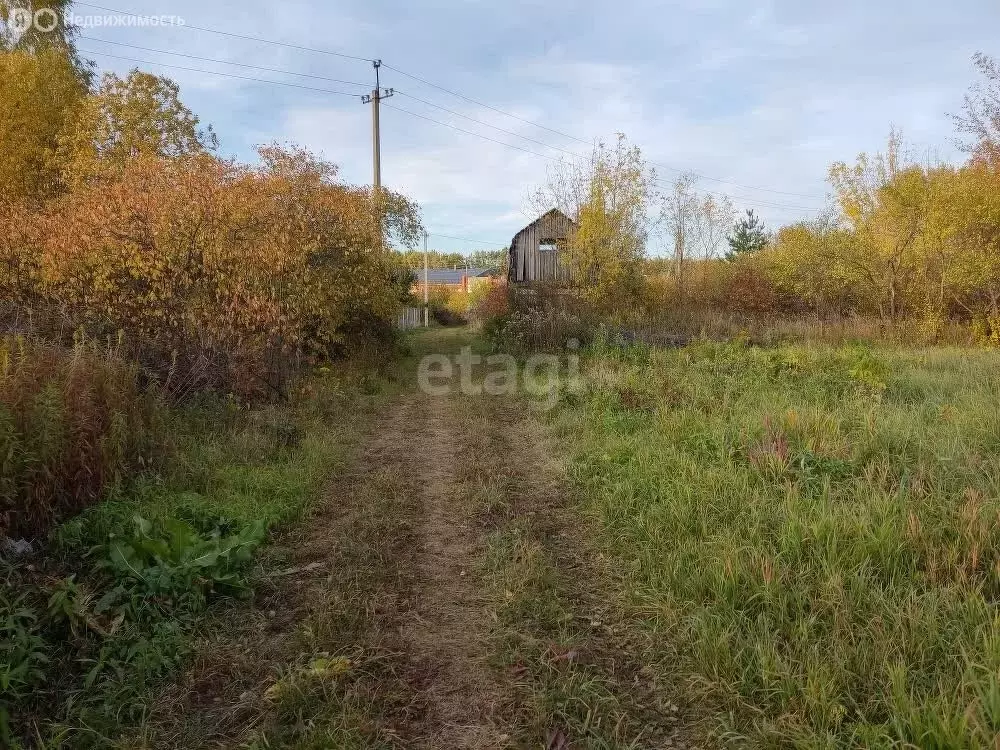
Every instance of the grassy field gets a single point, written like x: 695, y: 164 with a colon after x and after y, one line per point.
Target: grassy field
x: 808, y: 536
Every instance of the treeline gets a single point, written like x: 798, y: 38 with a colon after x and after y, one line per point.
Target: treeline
x: 117, y: 218
x: 906, y: 242
x: 910, y: 244
x: 493, y: 260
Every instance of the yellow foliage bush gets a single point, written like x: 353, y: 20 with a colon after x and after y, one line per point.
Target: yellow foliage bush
x: 239, y: 273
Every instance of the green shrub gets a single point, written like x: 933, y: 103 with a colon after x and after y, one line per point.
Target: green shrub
x: 177, y: 564
x: 546, y: 329
x: 22, y: 656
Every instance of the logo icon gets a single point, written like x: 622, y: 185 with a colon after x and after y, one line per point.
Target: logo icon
x: 46, y: 20
x: 19, y: 21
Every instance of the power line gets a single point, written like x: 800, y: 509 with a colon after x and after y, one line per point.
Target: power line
x: 223, y: 62
x: 332, y: 80
x: 484, y: 104
x: 488, y: 125
x: 217, y: 73
x: 317, y: 77
x: 736, y: 184
x: 755, y: 201
x: 469, y: 132
x: 324, y: 91
x: 237, y: 36
x: 767, y: 204
x: 581, y: 140
x: 770, y: 204
x: 451, y: 92
x: 412, y: 114
x: 465, y: 239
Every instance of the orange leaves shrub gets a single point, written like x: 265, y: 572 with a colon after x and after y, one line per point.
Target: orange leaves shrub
x: 491, y: 301
x: 240, y: 273
x: 19, y: 268
x: 750, y: 291
x: 72, y: 422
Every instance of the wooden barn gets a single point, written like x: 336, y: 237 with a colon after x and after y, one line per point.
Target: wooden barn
x: 534, y: 251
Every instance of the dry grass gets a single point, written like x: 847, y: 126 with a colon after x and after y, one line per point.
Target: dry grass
x: 73, y: 422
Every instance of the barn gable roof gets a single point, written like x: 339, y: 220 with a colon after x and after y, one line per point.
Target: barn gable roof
x: 528, y: 260
x: 552, y: 213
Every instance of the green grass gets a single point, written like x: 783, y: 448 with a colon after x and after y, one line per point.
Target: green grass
x: 100, y: 661
x: 811, y: 534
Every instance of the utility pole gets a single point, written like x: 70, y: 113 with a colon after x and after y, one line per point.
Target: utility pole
x: 376, y: 96
x: 426, y: 293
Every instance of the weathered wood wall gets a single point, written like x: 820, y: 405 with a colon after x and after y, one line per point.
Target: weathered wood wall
x: 528, y: 262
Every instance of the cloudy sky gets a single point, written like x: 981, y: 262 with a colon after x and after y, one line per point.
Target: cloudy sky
x: 756, y: 97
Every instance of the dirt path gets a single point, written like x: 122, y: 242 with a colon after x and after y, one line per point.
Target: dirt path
x: 433, y: 600
x: 446, y: 627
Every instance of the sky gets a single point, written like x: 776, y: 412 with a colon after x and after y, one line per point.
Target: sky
x: 757, y: 98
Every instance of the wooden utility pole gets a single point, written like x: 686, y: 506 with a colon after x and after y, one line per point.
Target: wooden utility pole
x: 376, y: 96
x: 426, y: 292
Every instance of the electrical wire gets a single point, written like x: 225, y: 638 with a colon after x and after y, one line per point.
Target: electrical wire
x: 223, y: 62
x: 465, y: 239
x: 234, y: 35
x: 468, y: 132
x: 424, y: 81
x: 226, y: 75
x: 582, y: 140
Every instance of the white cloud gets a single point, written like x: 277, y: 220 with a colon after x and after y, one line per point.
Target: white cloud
x: 764, y: 94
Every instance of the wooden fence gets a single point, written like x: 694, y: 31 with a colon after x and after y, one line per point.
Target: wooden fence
x: 411, y: 317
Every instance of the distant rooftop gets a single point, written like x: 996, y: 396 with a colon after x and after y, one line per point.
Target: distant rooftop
x: 449, y: 275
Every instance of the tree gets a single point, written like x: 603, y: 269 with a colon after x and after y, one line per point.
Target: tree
x: 237, y: 272
x: 435, y: 259
x: 52, y: 35
x: 493, y: 260
x: 885, y: 201
x: 806, y: 261
x: 608, y: 198
x: 679, y: 214
x: 40, y: 95
x: 141, y: 115
x: 981, y: 116
x: 715, y: 221
x: 749, y: 236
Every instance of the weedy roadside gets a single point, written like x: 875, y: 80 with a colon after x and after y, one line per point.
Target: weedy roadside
x: 111, y: 606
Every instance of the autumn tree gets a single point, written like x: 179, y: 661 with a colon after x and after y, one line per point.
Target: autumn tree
x: 435, y: 259
x: 608, y: 196
x: 962, y: 243
x: 493, y: 260
x: 716, y: 216
x: 241, y: 272
x: 807, y: 260
x: 679, y: 217
x: 125, y: 118
x: 980, y: 117
x: 42, y: 83
x: 51, y: 33
x: 40, y: 95
x: 884, y: 199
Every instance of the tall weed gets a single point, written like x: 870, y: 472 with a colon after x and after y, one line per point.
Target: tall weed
x: 73, y: 422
